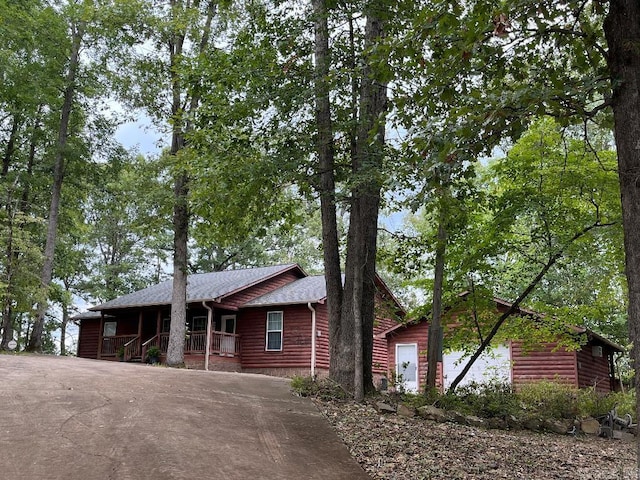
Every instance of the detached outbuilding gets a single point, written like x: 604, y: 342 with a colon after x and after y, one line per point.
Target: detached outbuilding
x: 592, y: 365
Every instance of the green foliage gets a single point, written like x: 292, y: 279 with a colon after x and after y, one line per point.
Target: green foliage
x: 549, y: 399
x: 593, y: 404
x: 324, y: 389
x: 153, y: 352
x: 546, y: 399
x: 552, y: 194
x: 128, y: 222
x: 483, y: 400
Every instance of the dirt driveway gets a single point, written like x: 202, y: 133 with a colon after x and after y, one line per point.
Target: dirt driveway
x: 70, y: 418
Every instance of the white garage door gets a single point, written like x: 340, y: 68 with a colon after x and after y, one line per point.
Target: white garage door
x: 491, y: 366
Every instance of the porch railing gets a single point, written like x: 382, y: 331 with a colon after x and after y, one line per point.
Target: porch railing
x: 227, y: 344
x: 132, y: 349
x: 152, y: 342
x: 111, y: 345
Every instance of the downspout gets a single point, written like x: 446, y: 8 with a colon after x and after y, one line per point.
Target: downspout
x: 313, y: 340
x: 207, y: 347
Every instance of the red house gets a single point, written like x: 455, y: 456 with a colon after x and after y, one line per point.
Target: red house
x: 591, y: 365
x: 269, y: 320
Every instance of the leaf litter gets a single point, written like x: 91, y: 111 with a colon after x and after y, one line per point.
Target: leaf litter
x: 394, y: 447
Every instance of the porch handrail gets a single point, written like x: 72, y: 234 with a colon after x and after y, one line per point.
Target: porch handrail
x: 111, y: 344
x: 131, y: 348
x: 227, y: 344
x: 152, y: 342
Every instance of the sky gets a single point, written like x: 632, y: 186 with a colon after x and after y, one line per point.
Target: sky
x: 141, y: 136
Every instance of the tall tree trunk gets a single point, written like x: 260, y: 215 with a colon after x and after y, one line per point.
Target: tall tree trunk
x: 11, y: 146
x: 365, y: 203
x: 434, y: 349
x: 11, y: 253
x: 63, y: 329
x: 358, y: 374
x: 7, y: 298
x: 181, y: 126
x: 622, y: 31
x: 35, y: 341
x: 325, y: 152
x: 175, y: 347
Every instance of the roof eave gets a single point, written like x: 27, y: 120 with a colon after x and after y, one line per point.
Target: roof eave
x: 281, y: 304
x: 293, y: 266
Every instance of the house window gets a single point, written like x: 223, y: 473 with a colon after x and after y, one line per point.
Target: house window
x: 109, y: 329
x: 166, y: 324
x: 274, y: 331
x: 199, y: 324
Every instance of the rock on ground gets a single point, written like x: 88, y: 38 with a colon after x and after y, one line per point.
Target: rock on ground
x: 399, y: 447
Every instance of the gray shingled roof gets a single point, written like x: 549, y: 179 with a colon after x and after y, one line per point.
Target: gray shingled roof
x: 87, y: 316
x: 305, y: 290
x: 203, y: 286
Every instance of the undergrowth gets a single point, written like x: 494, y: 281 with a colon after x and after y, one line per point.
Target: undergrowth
x: 544, y: 399
x: 324, y: 389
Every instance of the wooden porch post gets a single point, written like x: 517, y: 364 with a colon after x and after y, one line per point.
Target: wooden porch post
x: 207, y: 346
x: 158, y: 322
x: 140, y: 332
x: 100, y: 335
x: 612, y: 370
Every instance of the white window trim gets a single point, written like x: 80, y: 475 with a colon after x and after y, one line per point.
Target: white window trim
x: 224, y: 319
x: 201, y: 317
x: 110, y: 324
x: 266, y: 341
x: 165, y: 321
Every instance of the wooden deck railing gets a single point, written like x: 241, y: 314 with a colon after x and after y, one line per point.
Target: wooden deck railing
x: 152, y: 342
x: 132, y: 349
x: 111, y: 345
x: 227, y: 344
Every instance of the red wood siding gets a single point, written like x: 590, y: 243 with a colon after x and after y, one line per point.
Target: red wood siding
x: 381, y: 353
x: 419, y: 334
x: 88, y: 338
x: 128, y: 325
x: 269, y: 285
x: 296, y: 338
x: 322, y: 342
x: 543, y: 364
x: 594, y: 371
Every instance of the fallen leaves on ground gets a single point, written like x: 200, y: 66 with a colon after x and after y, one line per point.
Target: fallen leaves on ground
x: 395, y: 447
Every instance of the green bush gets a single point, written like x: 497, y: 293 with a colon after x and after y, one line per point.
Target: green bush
x: 493, y: 399
x: 325, y: 389
x: 544, y: 399
x: 548, y: 399
x: 593, y: 404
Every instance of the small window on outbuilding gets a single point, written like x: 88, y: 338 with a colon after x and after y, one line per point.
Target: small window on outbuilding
x: 274, y: 331
x: 109, y: 329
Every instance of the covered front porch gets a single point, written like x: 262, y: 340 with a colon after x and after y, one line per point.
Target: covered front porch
x: 127, y: 338
x: 133, y: 348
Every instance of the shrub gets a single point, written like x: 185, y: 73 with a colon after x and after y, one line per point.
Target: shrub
x: 494, y: 399
x: 548, y: 399
x: 325, y: 389
x: 545, y: 399
x: 593, y: 404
